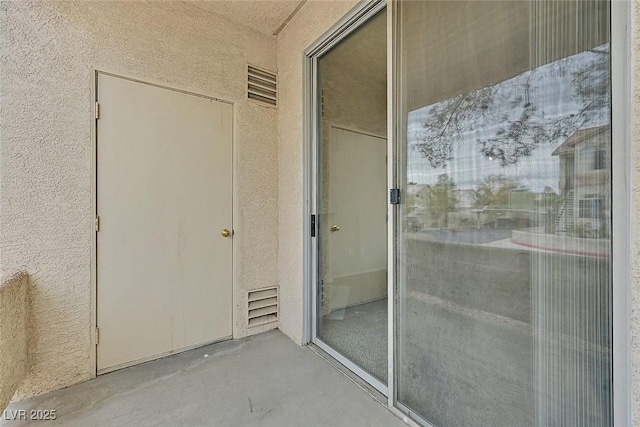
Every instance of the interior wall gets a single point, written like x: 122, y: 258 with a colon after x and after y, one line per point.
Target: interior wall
x: 46, y: 222
x: 312, y: 20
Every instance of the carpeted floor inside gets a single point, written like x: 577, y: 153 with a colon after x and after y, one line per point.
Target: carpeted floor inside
x: 360, y: 334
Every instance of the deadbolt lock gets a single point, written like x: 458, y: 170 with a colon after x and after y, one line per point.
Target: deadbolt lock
x: 335, y: 227
x: 226, y: 232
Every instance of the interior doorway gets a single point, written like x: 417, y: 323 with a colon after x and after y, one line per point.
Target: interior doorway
x: 164, y: 241
x: 350, y: 295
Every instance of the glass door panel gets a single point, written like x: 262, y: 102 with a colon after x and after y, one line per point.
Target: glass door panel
x: 504, y: 295
x: 351, y: 300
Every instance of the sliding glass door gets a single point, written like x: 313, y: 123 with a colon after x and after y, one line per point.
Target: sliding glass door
x: 500, y: 245
x: 351, y: 201
x: 503, y: 314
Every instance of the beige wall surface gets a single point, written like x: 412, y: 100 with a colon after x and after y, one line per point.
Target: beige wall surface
x: 14, y: 309
x: 46, y: 222
x: 313, y: 19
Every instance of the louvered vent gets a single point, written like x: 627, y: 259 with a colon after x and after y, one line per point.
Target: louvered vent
x: 263, y: 306
x: 262, y: 86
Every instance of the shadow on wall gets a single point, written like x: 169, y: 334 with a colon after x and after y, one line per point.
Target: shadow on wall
x: 14, y: 305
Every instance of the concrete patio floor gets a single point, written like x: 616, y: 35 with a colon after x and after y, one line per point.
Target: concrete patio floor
x: 263, y: 380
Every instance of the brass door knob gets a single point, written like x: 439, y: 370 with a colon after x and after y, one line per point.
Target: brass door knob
x: 335, y: 227
x: 225, y: 232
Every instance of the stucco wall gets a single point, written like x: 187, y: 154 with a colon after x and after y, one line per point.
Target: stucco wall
x: 635, y: 197
x: 48, y: 51
x: 14, y: 309
x: 313, y: 19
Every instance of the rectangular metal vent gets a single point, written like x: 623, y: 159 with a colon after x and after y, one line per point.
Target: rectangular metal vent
x: 263, y: 306
x: 262, y: 86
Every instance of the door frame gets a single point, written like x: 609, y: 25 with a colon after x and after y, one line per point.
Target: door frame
x: 95, y: 73
x: 358, y: 16
x: 621, y: 75
x: 621, y: 110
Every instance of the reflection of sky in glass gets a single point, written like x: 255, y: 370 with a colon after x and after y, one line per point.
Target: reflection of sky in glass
x: 554, y: 95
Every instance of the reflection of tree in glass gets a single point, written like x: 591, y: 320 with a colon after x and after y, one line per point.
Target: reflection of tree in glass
x: 494, y: 191
x: 515, y: 113
x: 449, y: 120
x: 549, y: 199
x: 440, y: 198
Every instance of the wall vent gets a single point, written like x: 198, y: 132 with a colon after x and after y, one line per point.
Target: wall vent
x: 263, y: 306
x: 262, y: 86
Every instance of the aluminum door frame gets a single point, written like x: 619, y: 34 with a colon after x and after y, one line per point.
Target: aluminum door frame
x: 357, y: 17
x: 621, y: 65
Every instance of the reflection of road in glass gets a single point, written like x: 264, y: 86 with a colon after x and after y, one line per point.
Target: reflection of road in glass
x: 488, y: 328
x: 469, y: 236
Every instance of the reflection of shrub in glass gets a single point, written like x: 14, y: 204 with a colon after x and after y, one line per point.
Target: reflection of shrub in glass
x: 441, y: 199
x: 494, y: 192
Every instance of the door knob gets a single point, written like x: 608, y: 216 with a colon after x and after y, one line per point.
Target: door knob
x: 225, y: 232
x: 335, y: 227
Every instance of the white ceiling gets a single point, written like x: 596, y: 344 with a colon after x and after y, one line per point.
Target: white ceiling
x: 266, y: 16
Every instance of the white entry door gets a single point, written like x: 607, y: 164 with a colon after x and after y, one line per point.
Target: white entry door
x: 164, y: 195
x: 355, y: 230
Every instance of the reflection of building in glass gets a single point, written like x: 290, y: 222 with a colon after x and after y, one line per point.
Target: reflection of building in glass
x: 584, y: 182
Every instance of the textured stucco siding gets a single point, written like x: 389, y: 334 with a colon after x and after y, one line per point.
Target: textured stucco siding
x: 635, y: 208
x: 14, y: 309
x: 48, y: 51
x: 313, y: 19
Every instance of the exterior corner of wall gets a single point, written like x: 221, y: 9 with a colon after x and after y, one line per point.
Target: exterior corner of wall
x: 255, y: 330
x: 14, y: 315
x: 309, y: 24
